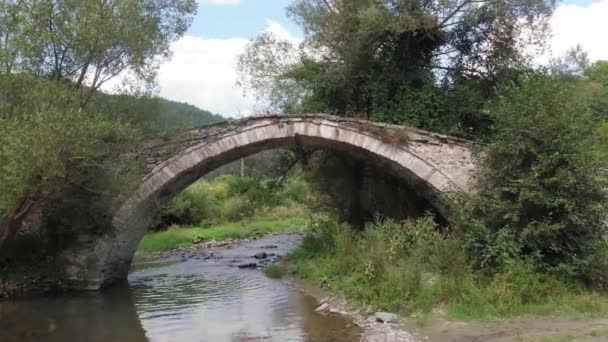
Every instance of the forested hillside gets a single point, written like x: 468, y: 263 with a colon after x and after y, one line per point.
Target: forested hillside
x: 183, y: 115
x: 152, y: 113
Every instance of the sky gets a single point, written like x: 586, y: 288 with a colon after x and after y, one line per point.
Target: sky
x: 202, y: 70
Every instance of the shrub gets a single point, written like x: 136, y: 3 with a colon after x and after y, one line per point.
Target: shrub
x: 229, y: 198
x: 236, y: 209
x: 296, y: 190
x: 540, y: 197
x: 255, y: 190
x: 195, y: 205
x: 406, y: 267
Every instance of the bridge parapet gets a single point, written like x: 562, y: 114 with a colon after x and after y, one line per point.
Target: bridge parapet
x: 451, y: 154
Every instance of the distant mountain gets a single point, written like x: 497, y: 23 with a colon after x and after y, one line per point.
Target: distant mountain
x: 174, y: 114
x: 153, y: 114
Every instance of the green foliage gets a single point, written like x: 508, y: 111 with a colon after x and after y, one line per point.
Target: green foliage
x: 236, y: 208
x: 266, y: 223
x: 539, y: 195
x: 45, y: 146
x: 602, y: 142
x: 151, y: 114
x: 395, y: 61
x: 230, y: 198
x: 598, y: 72
x: 54, y: 56
x: 86, y: 42
x: 412, y: 268
x: 391, y: 266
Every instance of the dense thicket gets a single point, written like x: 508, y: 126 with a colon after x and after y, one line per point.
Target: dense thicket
x: 54, y: 57
x: 541, y: 196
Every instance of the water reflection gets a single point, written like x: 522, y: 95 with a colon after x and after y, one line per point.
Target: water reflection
x: 194, y: 300
x: 110, y: 316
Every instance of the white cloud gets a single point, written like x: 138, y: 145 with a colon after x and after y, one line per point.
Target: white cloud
x: 584, y: 25
x: 223, y: 2
x: 203, y: 72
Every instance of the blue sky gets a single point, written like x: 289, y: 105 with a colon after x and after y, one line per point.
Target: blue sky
x: 244, y: 19
x: 203, y: 69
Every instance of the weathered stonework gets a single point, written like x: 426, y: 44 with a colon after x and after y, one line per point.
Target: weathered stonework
x: 435, y: 164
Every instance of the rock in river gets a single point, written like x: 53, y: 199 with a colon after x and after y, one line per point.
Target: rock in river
x: 385, y: 317
x: 260, y: 255
x: 248, y: 265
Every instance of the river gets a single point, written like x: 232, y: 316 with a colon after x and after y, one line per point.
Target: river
x: 193, y: 296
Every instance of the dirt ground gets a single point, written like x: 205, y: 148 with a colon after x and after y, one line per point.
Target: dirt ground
x: 524, y: 330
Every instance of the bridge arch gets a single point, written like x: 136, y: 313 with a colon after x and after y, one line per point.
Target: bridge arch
x: 434, y: 164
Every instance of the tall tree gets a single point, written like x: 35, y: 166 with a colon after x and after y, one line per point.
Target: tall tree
x: 89, y: 42
x: 394, y: 60
x: 55, y: 151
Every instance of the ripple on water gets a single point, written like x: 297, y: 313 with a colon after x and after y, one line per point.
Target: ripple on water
x: 188, y: 301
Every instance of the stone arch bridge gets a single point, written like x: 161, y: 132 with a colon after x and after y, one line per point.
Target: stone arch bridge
x: 433, y: 164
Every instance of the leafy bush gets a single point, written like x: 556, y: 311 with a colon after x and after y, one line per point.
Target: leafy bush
x: 540, y: 198
x: 236, y: 209
x: 50, y: 146
x: 295, y: 189
x: 229, y: 198
x: 390, y: 265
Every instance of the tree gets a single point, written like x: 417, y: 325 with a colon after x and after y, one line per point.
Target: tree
x: 539, y: 192
x: 89, y: 42
x: 56, y: 152
x: 598, y: 72
x: 394, y: 60
x: 572, y: 64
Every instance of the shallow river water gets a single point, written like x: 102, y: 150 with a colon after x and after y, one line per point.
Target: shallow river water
x: 194, y: 296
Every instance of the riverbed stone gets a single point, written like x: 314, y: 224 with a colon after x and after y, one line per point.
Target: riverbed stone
x: 385, y: 317
x: 248, y: 265
x: 322, y: 308
x: 260, y: 255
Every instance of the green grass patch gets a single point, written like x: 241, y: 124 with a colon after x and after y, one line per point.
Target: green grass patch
x: 411, y: 269
x: 274, y: 271
x: 178, y: 237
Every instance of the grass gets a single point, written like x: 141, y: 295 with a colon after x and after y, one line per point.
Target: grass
x: 574, y: 304
x: 412, y: 270
x: 274, y: 271
x: 178, y: 237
